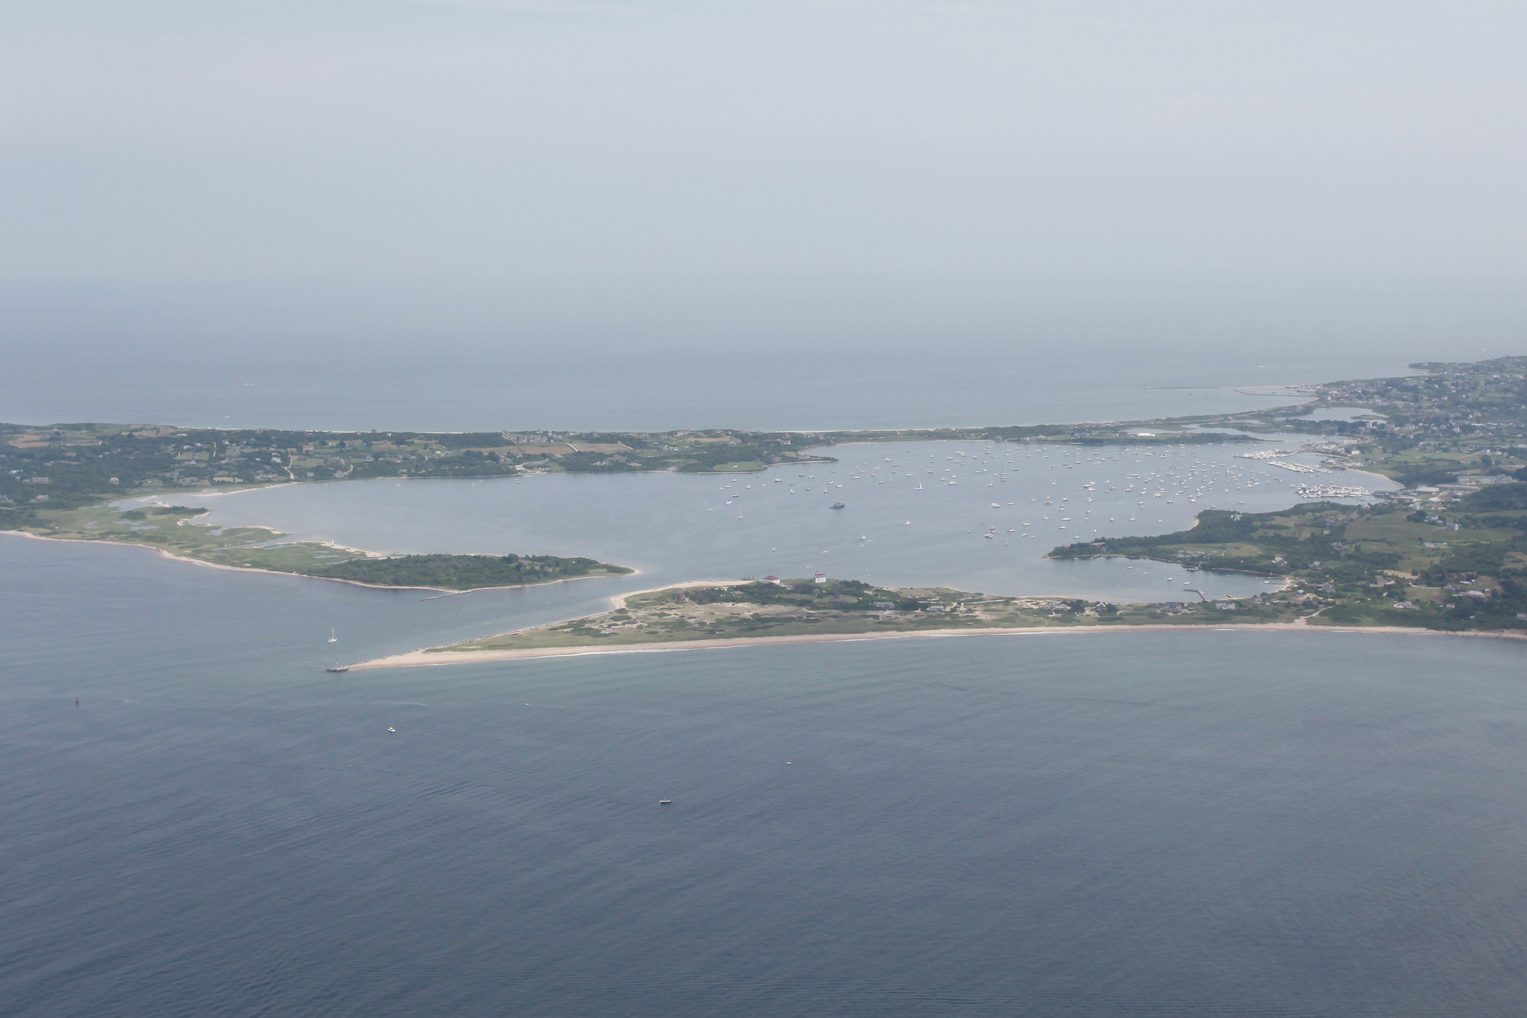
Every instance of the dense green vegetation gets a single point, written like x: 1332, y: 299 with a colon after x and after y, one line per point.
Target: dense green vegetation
x: 1266, y: 543
x: 465, y: 572
x: 841, y: 595
x: 1496, y: 498
x: 1361, y: 565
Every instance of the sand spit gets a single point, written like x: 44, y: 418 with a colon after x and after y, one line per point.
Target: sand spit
x: 435, y: 658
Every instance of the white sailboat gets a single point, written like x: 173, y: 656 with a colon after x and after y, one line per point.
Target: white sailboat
x: 332, y: 637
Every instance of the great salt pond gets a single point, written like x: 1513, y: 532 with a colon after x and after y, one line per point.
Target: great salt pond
x: 972, y: 515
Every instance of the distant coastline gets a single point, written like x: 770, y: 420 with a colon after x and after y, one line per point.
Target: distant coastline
x: 1453, y: 437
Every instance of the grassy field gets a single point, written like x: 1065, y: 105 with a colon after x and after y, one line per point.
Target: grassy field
x: 176, y: 530
x: 799, y: 608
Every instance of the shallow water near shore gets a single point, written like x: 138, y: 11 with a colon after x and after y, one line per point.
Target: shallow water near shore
x: 1149, y: 823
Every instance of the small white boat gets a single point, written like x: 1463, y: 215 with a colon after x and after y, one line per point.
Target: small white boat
x: 665, y: 802
x: 332, y: 637
x: 391, y: 730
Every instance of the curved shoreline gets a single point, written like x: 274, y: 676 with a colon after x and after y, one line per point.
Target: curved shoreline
x: 165, y: 553
x: 425, y: 658
x: 811, y: 454
x: 618, y: 601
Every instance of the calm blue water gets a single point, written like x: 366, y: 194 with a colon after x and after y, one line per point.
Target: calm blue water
x: 574, y: 385
x: 1113, y: 824
x: 903, y: 523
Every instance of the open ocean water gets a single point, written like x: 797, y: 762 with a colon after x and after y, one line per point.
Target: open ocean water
x: 1107, y: 824
x: 576, y: 385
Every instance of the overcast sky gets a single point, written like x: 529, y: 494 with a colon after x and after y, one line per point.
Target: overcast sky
x: 1353, y: 147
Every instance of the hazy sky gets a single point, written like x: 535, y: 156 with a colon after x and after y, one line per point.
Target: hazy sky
x: 1059, y: 149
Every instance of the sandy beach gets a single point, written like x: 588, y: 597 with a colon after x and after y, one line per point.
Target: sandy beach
x: 618, y: 601
x: 163, y: 553
x: 425, y: 658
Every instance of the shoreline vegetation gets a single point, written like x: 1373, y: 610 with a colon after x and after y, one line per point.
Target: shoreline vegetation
x: 206, y: 564
x: 737, y: 613
x: 1447, y: 551
x: 174, y: 532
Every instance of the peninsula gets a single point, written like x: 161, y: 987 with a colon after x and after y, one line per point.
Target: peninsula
x: 174, y: 531
x: 729, y: 613
x: 737, y: 613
